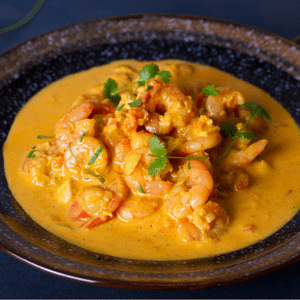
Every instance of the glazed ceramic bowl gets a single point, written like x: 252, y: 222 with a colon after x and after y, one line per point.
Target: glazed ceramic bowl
x: 263, y: 59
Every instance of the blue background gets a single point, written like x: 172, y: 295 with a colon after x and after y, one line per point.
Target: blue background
x: 18, y: 280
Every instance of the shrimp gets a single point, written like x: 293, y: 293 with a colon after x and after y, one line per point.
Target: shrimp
x: 201, y: 134
x: 88, y: 153
x: 188, y: 231
x: 135, y: 117
x: 45, y: 166
x: 235, y: 179
x: 227, y: 100
x: 241, y: 158
x: 96, y: 204
x: 76, y: 122
x: 121, y: 151
x: 133, y: 156
x: 137, y: 177
x: 207, y: 221
x: 65, y: 126
x: 181, y: 202
x: 257, y: 124
x: 171, y: 106
x: 211, y: 219
x: 138, y: 208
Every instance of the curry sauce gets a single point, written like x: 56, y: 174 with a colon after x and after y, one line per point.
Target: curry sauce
x: 88, y: 178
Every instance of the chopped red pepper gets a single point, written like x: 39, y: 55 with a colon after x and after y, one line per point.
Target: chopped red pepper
x: 200, y: 99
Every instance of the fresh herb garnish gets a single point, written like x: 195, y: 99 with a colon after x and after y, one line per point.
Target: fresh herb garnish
x: 95, y: 156
x: 110, y: 91
x: 189, y: 166
x: 158, y: 133
x: 231, y: 130
x: 45, y: 137
x: 99, y: 177
x: 210, y: 90
x: 82, y: 136
x: 148, y: 72
x: 149, y: 88
x: 136, y: 103
x: 120, y: 107
x: 140, y: 188
x: 31, y: 154
x: 159, y: 151
x: 69, y: 146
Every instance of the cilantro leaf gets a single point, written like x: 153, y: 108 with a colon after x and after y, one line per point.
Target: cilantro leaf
x: 164, y: 75
x: 210, y: 90
x: 157, y: 165
x: 82, y: 136
x: 110, y: 91
x: 100, y: 178
x: 95, y: 156
x: 45, y: 137
x: 157, y: 147
x: 189, y: 166
x: 158, y: 133
x: 256, y: 110
x: 120, y: 107
x: 148, y: 72
x: 246, y: 135
x: 149, y: 88
x: 136, y: 103
x: 140, y: 188
x: 141, y: 83
x: 31, y: 154
x: 229, y: 129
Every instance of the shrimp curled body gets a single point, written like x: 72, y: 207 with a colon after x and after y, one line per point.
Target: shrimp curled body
x: 181, y: 202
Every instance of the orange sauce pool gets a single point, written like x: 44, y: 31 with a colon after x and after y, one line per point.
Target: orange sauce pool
x: 270, y: 201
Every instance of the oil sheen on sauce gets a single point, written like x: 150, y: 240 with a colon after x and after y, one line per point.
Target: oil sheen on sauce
x: 269, y: 202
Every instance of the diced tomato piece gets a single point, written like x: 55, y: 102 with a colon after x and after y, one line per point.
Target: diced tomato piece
x: 96, y: 222
x: 76, y: 213
x: 180, y: 154
x: 200, y: 98
x: 105, y: 109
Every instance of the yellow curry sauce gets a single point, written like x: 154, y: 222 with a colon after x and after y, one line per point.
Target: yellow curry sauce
x: 252, y: 200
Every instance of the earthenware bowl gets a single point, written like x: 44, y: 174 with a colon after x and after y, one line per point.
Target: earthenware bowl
x: 261, y: 58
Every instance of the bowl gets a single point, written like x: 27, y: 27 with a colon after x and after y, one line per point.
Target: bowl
x: 263, y: 59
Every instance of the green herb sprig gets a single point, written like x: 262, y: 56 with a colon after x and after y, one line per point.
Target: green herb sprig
x: 44, y: 137
x: 82, y: 136
x: 232, y: 132
x: 141, y: 190
x: 148, y: 72
x: 159, y: 151
x: 71, y: 151
x: 95, y: 156
x: 136, y: 103
x: 210, y: 90
x: 31, y: 154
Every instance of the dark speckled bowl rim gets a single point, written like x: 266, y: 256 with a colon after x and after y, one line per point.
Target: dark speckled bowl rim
x: 122, y: 273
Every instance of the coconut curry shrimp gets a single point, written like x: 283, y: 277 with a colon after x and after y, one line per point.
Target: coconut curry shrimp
x: 167, y: 156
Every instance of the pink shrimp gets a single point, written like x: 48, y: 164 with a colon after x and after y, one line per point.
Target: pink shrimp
x: 138, y: 208
x: 181, y: 202
x: 241, y: 158
x: 76, y: 122
x: 227, y: 100
x: 168, y: 106
x: 96, y: 204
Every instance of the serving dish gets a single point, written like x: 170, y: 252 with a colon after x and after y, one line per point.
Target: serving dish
x: 263, y: 59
